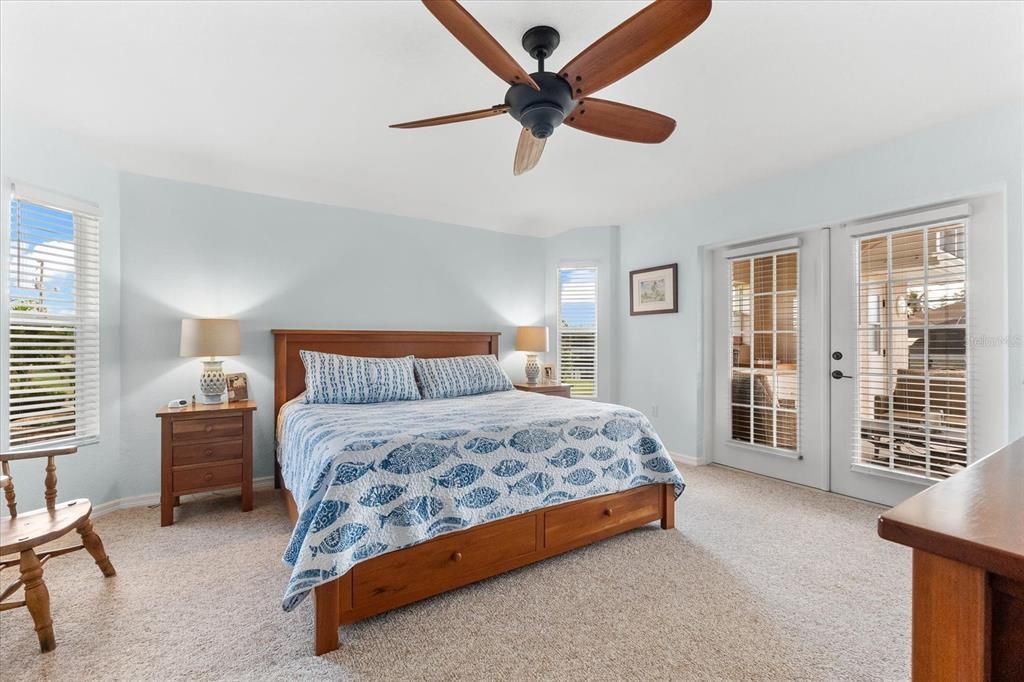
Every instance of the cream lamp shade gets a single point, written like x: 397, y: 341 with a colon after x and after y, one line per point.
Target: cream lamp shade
x: 210, y: 338
x: 532, y: 339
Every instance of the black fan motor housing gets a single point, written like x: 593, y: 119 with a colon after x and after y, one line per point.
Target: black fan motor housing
x: 541, y: 111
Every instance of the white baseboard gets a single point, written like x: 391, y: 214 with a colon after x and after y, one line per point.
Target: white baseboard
x: 688, y: 460
x: 150, y: 499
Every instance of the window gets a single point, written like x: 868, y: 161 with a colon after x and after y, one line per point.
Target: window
x: 764, y: 323
x: 913, y: 365
x: 577, y: 330
x: 51, y: 323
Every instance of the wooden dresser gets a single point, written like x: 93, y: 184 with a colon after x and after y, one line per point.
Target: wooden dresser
x: 967, y: 533
x: 560, y: 390
x: 203, y: 448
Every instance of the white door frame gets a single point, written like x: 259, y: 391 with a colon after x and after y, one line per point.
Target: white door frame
x: 813, y: 245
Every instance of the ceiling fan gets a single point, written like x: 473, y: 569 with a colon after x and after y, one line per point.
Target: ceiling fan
x: 542, y: 101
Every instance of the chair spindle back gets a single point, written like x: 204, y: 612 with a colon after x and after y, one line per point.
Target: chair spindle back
x: 50, y: 482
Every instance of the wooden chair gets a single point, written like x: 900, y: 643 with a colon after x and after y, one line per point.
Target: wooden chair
x: 22, y: 533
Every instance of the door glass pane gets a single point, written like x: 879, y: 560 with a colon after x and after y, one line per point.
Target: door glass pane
x: 763, y: 275
x: 764, y: 354
x: 764, y: 315
x: 764, y: 332
x: 912, y: 351
x: 741, y: 314
x: 764, y: 427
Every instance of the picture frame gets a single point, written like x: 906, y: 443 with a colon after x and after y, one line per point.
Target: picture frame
x: 548, y: 372
x: 654, y: 291
x: 238, y: 386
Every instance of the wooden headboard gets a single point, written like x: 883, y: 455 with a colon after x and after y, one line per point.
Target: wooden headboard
x: 290, y: 375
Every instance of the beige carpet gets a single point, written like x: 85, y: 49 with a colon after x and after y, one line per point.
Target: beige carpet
x: 761, y: 581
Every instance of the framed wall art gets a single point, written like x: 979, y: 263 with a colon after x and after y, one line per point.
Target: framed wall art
x: 654, y: 290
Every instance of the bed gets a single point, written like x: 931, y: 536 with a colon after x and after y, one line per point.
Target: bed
x: 396, y: 502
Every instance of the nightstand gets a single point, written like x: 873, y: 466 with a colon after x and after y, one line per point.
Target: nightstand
x: 560, y: 390
x: 205, y: 447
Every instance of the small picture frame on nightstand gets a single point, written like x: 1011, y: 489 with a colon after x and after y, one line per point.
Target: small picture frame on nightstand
x: 238, y: 386
x: 547, y: 373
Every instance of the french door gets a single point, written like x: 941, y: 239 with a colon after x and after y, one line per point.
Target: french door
x: 769, y: 414
x: 844, y: 357
x: 899, y: 355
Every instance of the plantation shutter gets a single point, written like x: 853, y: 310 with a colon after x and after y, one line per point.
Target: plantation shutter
x: 52, y: 322
x: 577, y: 329
x: 914, y: 359
x: 764, y: 347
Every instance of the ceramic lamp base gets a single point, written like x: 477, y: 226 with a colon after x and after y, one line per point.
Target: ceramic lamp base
x: 532, y: 368
x: 213, y: 386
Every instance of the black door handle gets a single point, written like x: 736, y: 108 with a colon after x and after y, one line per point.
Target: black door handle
x: 837, y: 374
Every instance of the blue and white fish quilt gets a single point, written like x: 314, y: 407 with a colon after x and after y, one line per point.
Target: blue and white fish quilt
x: 370, y: 479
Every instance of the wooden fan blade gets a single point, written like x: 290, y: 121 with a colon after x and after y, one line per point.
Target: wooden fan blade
x: 621, y: 121
x: 633, y: 43
x: 477, y: 40
x: 528, y: 152
x: 454, y: 118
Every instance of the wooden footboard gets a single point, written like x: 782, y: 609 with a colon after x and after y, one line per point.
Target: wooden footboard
x: 392, y: 580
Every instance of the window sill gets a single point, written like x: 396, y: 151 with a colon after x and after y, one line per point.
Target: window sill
x: 904, y: 476
x: 57, y: 445
x: 767, y: 450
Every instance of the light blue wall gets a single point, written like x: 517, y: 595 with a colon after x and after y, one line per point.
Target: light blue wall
x: 55, y: 162
x: 598, y: 246
x: 190, y: 250
x: 661, y: 355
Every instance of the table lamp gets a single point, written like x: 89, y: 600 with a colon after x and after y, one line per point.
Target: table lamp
x: 533, y: 340
x: 209, y: 339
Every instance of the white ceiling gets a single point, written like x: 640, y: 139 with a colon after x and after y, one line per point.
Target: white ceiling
x: 293, y: 99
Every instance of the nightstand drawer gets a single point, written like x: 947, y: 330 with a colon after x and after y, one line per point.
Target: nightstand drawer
x: 184, y: 430
x: 201, y: 453
x: 200, y: 478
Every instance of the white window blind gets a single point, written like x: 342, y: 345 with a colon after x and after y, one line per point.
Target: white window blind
x: 764, y: 314
x: 912, y: 352
x: 577, y: 329
x: 52, y: 324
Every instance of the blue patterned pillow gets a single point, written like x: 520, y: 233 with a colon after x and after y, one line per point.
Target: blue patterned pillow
x: 466, y: 375
x: 345, y: 379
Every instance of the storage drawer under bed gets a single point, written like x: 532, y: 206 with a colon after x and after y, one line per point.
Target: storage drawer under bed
x: 575, y: 523
x: 443, y: 563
